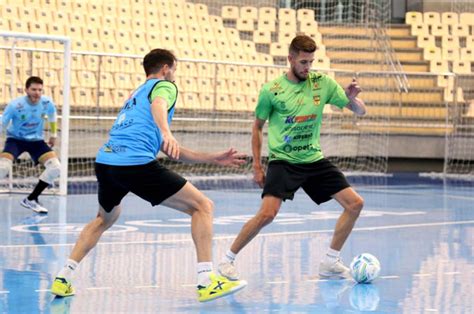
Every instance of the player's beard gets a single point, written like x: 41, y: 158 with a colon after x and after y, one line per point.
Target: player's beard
x: 298, y: 76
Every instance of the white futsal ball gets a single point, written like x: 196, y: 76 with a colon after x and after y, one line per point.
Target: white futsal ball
x: 365, y: 268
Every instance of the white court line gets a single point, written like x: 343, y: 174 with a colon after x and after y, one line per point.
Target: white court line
x: 453, y: 273
x: 388, y: 191
x: 42, y: 290
x: 389, y: 277
x: 431, y: 310
x: 324, y: 280
x: 431, y: 224
x: 4, y: 292
x: 421, y: 275
x: 146, y: 287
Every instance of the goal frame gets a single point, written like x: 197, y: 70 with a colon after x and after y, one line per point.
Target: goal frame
x: 65, y: 109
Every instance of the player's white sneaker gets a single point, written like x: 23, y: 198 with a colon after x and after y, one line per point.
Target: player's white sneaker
x: 334, y: 269
x: 34, y: 206
x: 228, y: 270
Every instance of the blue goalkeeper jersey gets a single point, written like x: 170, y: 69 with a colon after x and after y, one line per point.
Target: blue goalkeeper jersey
x: 25, y: 121
x: 135, y: 139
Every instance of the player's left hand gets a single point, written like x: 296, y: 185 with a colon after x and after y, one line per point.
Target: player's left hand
x: 230, y: 158
x: 353, y: 89
x: 51, y: 141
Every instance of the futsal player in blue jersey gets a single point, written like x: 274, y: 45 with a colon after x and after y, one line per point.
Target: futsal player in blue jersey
x: 23, y: 120
x: 127, y: 163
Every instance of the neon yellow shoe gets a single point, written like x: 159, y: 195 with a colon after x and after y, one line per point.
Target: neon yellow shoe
x: 219, y: 287
x: 61, y: 287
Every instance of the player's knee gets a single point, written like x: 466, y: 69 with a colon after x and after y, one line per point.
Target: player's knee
x: 205, y: 205
x: 355, y: 207
x: 267, y: 216
x: 51, y: 171
x: 5, y: 166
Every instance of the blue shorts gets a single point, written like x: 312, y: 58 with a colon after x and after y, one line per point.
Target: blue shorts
x: 35, y: 148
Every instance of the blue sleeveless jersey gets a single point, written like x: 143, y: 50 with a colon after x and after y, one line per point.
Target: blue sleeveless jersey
x: 134, y: 139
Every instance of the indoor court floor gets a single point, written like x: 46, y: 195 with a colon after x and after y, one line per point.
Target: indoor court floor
x: 421, y: 231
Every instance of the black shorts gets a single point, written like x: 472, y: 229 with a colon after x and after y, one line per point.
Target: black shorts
x: 152, y: 182
x: 36, y: 149
x: 320, y: 180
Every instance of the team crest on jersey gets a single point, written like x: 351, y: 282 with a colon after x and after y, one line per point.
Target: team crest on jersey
x: 316, y: 100
x: 276, y: 87
x: 23, y: 117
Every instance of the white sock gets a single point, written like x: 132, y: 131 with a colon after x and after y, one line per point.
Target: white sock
x: 204, y: 270
x: 332, y: 255
x: 230, y: 256
x: 68, y: 269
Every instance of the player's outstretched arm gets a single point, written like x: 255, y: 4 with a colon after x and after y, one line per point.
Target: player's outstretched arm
x: 355, y: 104
x: 229, y: 158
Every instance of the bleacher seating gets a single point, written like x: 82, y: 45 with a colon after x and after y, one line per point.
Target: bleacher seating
x: 240, y: 34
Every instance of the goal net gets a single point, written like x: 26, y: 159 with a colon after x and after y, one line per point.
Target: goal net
x: 226, y: 51
x: 23, y: 55
x: 459, y: 159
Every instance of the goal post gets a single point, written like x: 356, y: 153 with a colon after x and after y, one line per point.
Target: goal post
x: 12, y: 42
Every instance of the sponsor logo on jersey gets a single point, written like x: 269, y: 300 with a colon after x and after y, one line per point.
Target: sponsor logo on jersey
x: 298, y: 137
x: 298, y: 128
x: 30, y: 125
x: 112, y: 148
x: 122, y: 122
x: 300, y: 119
x: 298, y: 148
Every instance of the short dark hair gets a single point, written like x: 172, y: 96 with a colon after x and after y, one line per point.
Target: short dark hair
x: 302, y: 43
x: 33, y: 80
x: 156, y: 59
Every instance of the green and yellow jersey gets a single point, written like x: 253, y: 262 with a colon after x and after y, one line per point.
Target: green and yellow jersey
x: 295, y: 112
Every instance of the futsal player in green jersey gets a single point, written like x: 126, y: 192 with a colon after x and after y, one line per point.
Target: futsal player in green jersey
x: 293, y: 104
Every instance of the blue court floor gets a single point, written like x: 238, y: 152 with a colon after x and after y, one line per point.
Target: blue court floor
x: 422, y: 233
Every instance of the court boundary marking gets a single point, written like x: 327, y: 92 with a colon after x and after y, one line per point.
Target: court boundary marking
x: 271, y: 234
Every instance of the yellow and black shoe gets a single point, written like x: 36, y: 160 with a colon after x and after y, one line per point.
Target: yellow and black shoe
x: 219, y: 287
x: 61, y: 287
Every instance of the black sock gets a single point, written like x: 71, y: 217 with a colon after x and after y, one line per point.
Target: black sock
x: 39, y: 188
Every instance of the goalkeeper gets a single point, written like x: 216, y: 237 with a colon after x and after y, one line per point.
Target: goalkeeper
x: 23, y: 121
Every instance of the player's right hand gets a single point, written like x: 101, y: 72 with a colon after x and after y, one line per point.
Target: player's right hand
x: 259, y: 177
x: 170, y: 146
